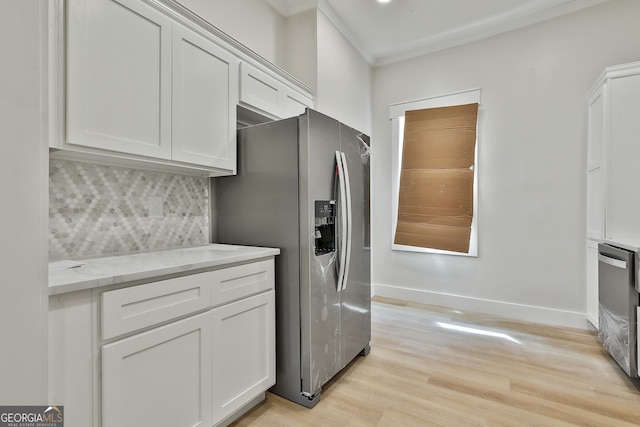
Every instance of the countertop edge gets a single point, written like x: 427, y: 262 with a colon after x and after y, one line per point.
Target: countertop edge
x: 132, y: 276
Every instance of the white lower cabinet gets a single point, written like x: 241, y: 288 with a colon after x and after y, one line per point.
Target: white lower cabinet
x: 159, y: 378
x: 243, y: 353
x: 72, y: 355
x: 194, y: 350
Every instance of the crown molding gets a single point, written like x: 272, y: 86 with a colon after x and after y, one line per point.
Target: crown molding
x: 532, y: 12
x: 325, y: 8
x: 289, y: 8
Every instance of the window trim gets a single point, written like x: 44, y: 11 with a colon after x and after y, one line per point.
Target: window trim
x: 396, y: 115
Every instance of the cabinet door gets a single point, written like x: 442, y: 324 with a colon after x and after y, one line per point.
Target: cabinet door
x: 243, y: 352
x: 205, y: 94
x: 262, y: 92
x: 71, y: 363
x: 623, y: 207
x: 259, y: 90
x: 595, y: 178
x: 118, y: 77
x: 159, y: 378
x: 294, y: 104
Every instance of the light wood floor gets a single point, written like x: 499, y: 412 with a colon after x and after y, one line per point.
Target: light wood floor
x: 421, y: 372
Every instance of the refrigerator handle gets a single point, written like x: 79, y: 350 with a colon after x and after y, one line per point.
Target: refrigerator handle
x: 343, y: 222
x: 349, y: 221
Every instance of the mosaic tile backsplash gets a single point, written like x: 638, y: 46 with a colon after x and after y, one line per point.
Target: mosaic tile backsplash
x: 99, y: 210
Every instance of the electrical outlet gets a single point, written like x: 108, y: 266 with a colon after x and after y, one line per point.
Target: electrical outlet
x: 155, y: 207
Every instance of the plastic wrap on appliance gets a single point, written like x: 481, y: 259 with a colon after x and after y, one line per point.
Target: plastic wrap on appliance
x: 613, y: 333
x: 325, y: 269
x: 365, y: 150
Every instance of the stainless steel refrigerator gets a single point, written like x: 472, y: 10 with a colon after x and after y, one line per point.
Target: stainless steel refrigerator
x: 303, y: 186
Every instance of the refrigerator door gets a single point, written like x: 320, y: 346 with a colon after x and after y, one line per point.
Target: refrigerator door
x: 319, y: 296
x: 356, y: 293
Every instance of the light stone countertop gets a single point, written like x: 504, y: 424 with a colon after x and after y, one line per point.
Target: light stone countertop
x: 103, y: 271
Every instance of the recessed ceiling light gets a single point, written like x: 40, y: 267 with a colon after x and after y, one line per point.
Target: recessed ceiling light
x: 384, y: 1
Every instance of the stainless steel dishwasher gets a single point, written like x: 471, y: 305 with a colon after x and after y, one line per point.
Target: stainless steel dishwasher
x: 618, y: 301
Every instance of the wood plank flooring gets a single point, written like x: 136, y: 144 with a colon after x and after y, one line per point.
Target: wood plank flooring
x: 434, y: 366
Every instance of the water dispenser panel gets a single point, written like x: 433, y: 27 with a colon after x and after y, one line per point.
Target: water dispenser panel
x: 325, y: 230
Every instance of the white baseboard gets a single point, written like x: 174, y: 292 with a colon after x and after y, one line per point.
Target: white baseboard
x: 527, y: 313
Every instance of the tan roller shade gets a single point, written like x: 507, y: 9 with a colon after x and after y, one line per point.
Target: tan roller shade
x: 435, y: 201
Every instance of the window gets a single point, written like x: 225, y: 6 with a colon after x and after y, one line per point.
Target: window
x: 434, y: 174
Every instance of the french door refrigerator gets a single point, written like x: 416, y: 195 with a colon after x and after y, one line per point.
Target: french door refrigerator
x: 303, y: 186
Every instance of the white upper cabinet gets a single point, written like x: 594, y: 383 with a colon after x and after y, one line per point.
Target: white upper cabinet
x: 259, y: 90
x: 118, y: 77
x: 267, y: 95
x: 595, y: 197
x: 150, y: 84
x: 612, y: 172
x: 142, y: 86
x: 204, y: 101
x: 623, y: 206
x: 294, y: 104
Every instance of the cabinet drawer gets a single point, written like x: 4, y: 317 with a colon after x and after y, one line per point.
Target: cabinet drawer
x: 126, y: 310
x: 242, y: 281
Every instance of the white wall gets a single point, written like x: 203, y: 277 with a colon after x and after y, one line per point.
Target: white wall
x: 308, y: 46
x: 300, y: 58
x: 344, y: 79
x: 23, y: 189
x: 532, y: 157
x: 252, y: 22
x: 288, y: 42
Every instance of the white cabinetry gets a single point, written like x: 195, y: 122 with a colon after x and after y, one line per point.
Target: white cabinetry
x: 72, y: 356
x: 118, y: 77
x: 159, y: 378
x: 204, y: 101
x: 242, y: 368
x: 137, y: 307
x: 613, y: 212
x: 194, y: 350
x: 149, y: 84
x: 623, y: 174
x: 265, y: 94
x: 595, y: 196
x: 144, y: 87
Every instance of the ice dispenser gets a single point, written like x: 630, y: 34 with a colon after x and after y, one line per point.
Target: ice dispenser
x: 325, y: 230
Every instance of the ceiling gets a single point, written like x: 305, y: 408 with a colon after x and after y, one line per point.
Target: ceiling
x: 401, y: 29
